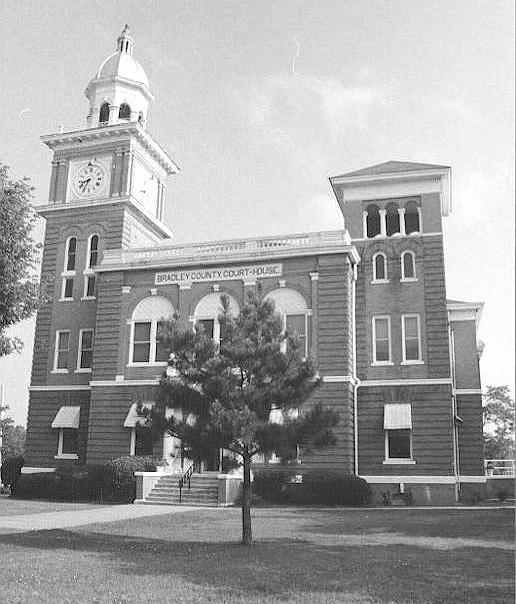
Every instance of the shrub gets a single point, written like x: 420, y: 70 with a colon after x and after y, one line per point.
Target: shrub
x: 320, y: 488
x: 272, y: 485
x: 113, y: 481
x: 39, y: 485
x: 10, y: 470
x: 118, y: 481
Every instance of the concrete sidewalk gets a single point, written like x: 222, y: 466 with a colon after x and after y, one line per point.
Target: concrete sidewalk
x: 65, y: 519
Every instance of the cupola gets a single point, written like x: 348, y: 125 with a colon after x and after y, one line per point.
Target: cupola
x: 119, y: 92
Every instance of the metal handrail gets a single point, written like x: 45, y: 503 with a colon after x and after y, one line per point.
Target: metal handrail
x: 185, y: 478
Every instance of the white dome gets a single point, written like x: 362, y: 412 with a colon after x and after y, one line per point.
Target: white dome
x: 123, y: 65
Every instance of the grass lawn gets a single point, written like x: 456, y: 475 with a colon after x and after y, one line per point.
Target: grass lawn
x: 301, y: 556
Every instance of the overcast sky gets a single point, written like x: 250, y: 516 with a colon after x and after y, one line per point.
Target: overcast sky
x: 260, y: 102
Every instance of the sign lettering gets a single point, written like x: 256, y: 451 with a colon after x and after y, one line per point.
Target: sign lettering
x: 224, y: 273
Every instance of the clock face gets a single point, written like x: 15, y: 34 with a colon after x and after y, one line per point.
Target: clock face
x: 89, y: 180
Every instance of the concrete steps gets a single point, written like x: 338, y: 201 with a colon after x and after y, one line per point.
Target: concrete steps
x: 203, y: 491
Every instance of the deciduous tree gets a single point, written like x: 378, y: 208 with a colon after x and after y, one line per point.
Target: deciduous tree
x: 498, y: 411
x: 223, y: 395
x: 19, y: 254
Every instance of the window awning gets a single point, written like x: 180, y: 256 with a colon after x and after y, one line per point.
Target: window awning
x: 133, y: 419
x: 67, y: 417
x: 397, y: 416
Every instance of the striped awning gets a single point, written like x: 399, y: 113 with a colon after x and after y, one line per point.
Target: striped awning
x: 397, y: 416
x: 67, y: 417
x: 133, y: 419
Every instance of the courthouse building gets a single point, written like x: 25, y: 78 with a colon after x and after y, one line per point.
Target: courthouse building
x: 398, y: 360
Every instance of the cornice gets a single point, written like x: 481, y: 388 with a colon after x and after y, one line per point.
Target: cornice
x: 129, y: 129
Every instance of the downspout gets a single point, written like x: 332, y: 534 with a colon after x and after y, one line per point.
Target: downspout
x: 355, y: 379
x: 456, y: 460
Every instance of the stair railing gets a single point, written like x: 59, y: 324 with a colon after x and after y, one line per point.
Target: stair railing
x: 185, y: 478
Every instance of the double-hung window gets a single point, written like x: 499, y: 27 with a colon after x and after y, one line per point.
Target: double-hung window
x: 207, y: 314
x: 295, y: 326
x: 62, y: 349
x: 69, y: 269
x: 397, y: 424
x: 67, y: 422
x: 411, y: 339
x: 146, y: 323
x: 382, y: 340
x: 90, y: 278
x: 85, y: 354
x: 292, y: 306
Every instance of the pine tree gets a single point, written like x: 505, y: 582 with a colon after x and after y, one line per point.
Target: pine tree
x: 223, y: 394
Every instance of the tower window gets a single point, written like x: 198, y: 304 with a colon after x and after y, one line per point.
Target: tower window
x: 379, y: 267
x: 104, y: 113
x: 67, y: 293
x: 124, y: 112
x: 85, y: 356
x: 373, y: 220
x: 382, y: 340
x: 93, y: 251
x: 411, y: 339
x: 412, y: 222
x: 61, y: 350
x: 392, y: 219
x: 408, y: 266
x: 71, y: 251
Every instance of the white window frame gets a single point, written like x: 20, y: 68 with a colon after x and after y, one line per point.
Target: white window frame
x: 386, y: 278
x: 419, y: 360
x: 132, y: 442
x: 56, y: 351
x: 88, y: 271
x: 307, y: 313
x: 78, y: 368
x: 67, y: 253
x: 398, y: 460
x: 216, y: 327
x: 60, y: 454
x: 66, y: 276
x: 373, y: 321
x: 403, y: 278
x: 153, y: 344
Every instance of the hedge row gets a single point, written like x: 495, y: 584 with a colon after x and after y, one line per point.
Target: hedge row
x: 320, y: 488
x: 112, y: 481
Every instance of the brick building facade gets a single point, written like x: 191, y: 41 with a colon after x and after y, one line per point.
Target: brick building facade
x: 398, y: 361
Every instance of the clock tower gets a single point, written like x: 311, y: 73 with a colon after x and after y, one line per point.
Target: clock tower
x: 107, y: 192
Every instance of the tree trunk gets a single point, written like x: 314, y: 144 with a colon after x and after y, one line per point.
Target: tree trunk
x: 247, y: 535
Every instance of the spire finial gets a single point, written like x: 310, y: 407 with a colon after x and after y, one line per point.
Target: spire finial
x: 125, y: 42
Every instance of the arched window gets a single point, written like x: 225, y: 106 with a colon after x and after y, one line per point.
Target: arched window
x: 71, y: 251
x: 124, y: 112
x: 104, y: 113
x: 207, y: 313
x: 392, y: 219
x: 373, y: 220
x: 69, y: 269
x: 292, y: 306
x: 92, y: 256
x: 412, y: 218
x: 408, y: 266
x: 379, y: 267
x: 145, y: 322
